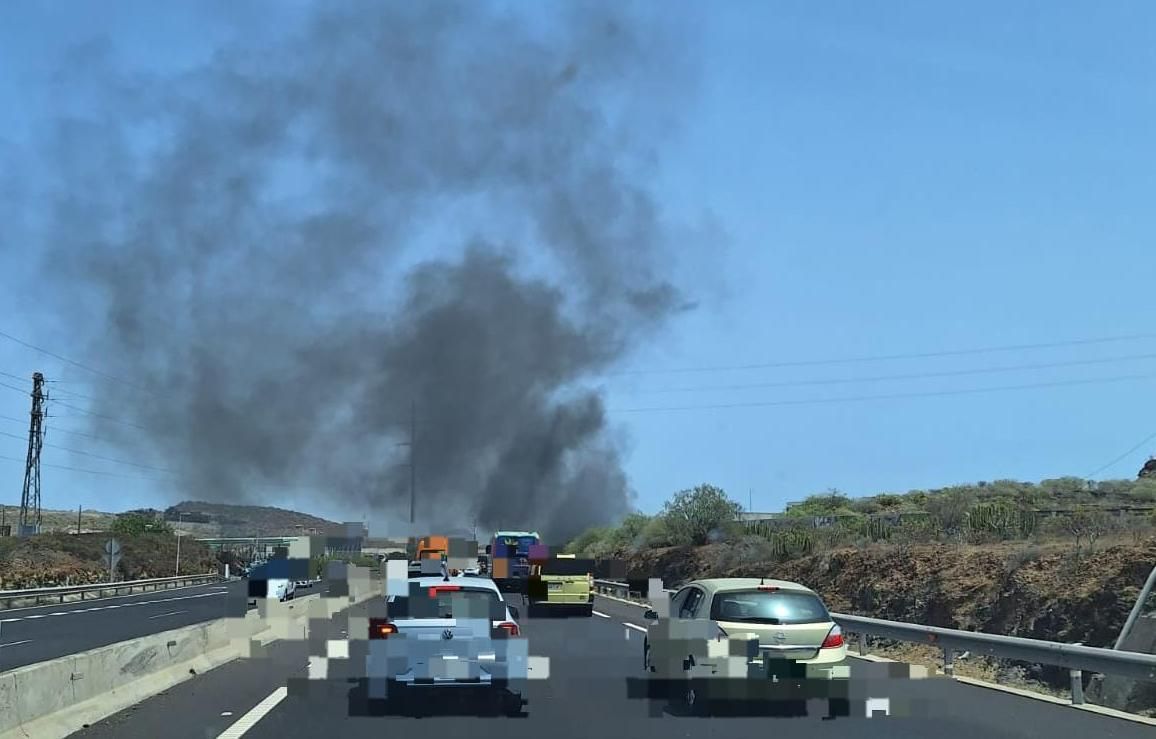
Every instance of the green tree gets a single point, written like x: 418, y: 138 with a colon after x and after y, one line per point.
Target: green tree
x: 701, y: 515
x: 829, y: 503
x: 135, y: 524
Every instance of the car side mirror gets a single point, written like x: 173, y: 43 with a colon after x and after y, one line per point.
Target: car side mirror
x: 650, y: 614
x: 514, y: 612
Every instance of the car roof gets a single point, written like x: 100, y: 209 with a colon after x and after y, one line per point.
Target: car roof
x: 471, y: 583
x: 733, y: 584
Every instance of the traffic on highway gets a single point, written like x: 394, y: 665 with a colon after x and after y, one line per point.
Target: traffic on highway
x: 591, y: 667
x: 446, y: 646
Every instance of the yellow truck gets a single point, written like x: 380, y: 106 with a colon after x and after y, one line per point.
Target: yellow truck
x: 562, y: 583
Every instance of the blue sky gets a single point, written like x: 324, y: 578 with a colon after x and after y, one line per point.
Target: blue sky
x: 911, y: 178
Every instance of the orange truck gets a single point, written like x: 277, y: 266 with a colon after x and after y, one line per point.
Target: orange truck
x: 436, y: 547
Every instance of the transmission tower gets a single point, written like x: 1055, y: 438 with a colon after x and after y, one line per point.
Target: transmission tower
x: 30, y: 497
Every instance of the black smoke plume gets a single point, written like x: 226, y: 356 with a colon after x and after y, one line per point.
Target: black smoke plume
x: 413, y: 203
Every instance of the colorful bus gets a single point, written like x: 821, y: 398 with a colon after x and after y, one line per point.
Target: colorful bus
x: 510, y: 558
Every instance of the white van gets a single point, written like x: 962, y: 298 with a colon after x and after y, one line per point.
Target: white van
x: 281, y: 589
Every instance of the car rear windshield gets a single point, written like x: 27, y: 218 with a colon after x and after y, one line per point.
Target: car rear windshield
x: 768, y: 607
x: 426, y: 602
x: 580, y: 567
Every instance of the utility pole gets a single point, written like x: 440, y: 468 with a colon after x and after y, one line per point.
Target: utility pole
x: 180, y: 521
x: 30, y: 495
x: 412, y: 466
x: 79, y: 508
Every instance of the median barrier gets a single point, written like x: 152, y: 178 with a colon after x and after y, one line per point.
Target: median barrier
x: 70, y: 593
x: 56, y: 698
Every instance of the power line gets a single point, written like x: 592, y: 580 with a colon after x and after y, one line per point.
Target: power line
x: 887, y: 357
x: 22, y: 378
x: 21, y: 390
x: 91, y: 472
x: 911, y: 376
x: 95, y: 456
x: 892, y: 396
x: 73, y: 362
x: 1122, y: 457
x: 55, y: 429
x: 97, y: 415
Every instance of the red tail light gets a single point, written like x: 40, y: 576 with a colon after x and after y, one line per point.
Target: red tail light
x: 380, y: 628
x: 509, y: 627
x: 834, y: 638
x: 433, y: 592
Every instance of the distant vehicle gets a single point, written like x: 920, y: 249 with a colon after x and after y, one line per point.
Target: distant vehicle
x: 454, y: 633
x: 791, y: 644
x: 282, y: 589
x: 276, y: 578
x: 562, y: 582
x: 438, y: 548
x: 509, y: 555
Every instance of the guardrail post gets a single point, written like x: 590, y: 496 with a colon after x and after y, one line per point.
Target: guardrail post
x: 948, y: 661
x: 1077, y: 687
x: 862, y: 644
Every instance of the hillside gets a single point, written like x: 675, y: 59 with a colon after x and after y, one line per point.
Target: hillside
x: 201, y: 519
x: 243, y: 520
x: 67, y: 559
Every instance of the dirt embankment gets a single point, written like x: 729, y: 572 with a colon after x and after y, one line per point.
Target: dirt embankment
x: 1040, y: 592
x: 67, y: 559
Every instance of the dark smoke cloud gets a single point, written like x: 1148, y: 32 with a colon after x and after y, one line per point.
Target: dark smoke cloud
x: 253, y: 232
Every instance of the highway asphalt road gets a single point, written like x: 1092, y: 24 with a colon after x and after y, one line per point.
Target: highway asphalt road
x: 39, y: 633
x: 585, y: 695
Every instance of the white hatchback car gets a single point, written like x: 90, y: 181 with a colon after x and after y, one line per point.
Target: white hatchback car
x: 449, y: 633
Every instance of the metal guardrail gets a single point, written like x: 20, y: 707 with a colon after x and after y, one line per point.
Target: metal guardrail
x: 1077, y: 658
x: 61, y: 593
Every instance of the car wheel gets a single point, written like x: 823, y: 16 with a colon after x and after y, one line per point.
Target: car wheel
x: 694, y: 698
x: 511, y: 704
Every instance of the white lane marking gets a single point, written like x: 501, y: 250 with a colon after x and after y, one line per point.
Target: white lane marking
x: 255, y: 714
x: 632, y: 626
x: 601, y: 615
x: 109, y: 597
x: 170, y: 613
x: 15, y: 643
x: 105, y: 608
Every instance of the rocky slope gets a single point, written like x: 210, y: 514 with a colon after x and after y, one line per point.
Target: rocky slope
x: 67, y: 559
x: 1041, y: 592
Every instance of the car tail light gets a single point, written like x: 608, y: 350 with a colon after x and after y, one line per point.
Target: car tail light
x: 433, y: 592
x: 509, y: 627
x: 380, y: 629
x: 834, y: 638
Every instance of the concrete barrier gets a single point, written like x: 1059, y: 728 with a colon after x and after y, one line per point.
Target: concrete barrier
x: 54, y: 699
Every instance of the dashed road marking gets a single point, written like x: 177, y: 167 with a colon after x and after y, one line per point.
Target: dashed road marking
x: 110, y: 606
x: 255, y: 714
x: 108, y: 597
x: 15, y: 643
x: 170, y: 613
x: 600, y: 615
x: 632, y: 626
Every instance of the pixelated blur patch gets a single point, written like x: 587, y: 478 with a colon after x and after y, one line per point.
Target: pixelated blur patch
x: 539, y: 551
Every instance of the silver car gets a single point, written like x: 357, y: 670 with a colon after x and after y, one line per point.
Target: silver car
x: 449, y: 634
